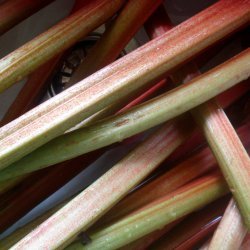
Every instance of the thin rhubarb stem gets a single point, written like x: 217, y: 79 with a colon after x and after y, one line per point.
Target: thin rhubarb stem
x: 14, y: 11
x: 30, y: 94
x: 158, y: 214
x: 94, y: 201
x: 137, y: 119
x: 47, y: 121
x: 35, y: 87
x: 231, y: 230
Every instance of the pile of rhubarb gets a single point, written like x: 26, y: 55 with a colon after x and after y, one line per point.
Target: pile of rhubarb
x: 185, y: 182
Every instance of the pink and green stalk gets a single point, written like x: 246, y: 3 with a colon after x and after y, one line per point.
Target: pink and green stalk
x: 52, y: 118
x: 157, y: 214
x: 137, y: 119
x: 94, y: 201
x: 187, y: 170
x: 14, y: 11
x: 231, y: 230
x: 108, y: 49
x: 30, y: 56
x: 181, y: 174
x: 223, y: 140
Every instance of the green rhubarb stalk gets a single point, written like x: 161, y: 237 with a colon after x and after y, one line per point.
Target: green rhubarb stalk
x: 157, y: 214
x: 54, y: 117
x: 137, y: 119
x: 94, y: 201
x: 14, y: 11
x: 107, y: 49
x: 231, y: 230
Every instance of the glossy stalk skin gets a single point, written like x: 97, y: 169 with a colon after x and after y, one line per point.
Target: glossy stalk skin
x: 158, y: 214
x: 94, y: 201
x: 187, y: 170
x: 118, y: 79
x: 116, y: 37
x: 33, y: 90
x: 137, y: 119
x: 193, y: 229
x: 181, y: 174
x: 231, y: 230
x: 14, y: 11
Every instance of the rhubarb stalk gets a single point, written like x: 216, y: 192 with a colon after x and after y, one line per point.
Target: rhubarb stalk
x: 223, y: 140
x: 111, y: 83
x: 137, y: 119
x: 94, y: 201
x: 157, y: 214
